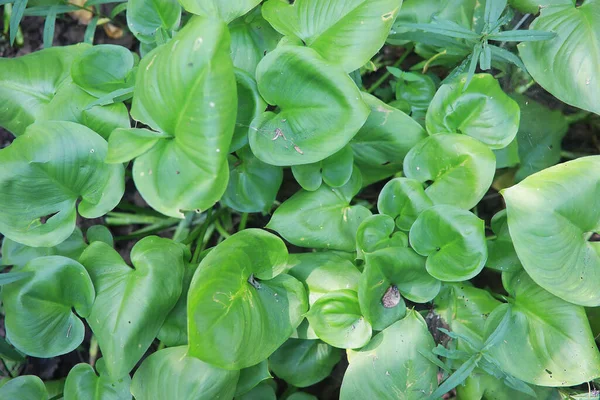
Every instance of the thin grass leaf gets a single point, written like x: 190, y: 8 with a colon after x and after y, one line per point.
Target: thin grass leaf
x: 42, y: 11
x: 450, y: 354
x: 8, y: 352
x: 503, y: 20
x: 444, y: 28
x: 3, y: 2
x: 18, y: 10
x: 98, y: 2
x: 90, y: 31
x: 507, y: 56
x: 116, y: 96
x: 117, y: 10
x: 456, y: 72
x: 473, y: 64
x: 499, y: 333
x: 493, y: 11
x: 456, y: 378
x: 11, y: 277
x: 451, y: 45
x: 519, y: 385
x: 522, y: 36
x: 434, y: 360
x: 485, y: 59
x: 49, y: 26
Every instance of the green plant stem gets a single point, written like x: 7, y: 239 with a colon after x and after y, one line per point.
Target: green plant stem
x: 201, y: 234
x: 221, y: 230
x: 432, y: 59
x: 387, y: 74
x: 577, y: 117
x: 243, y: 222
x: 6, y: 368
x: 183, y: 227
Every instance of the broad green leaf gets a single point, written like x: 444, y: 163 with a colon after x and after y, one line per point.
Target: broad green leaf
x: 253, y: 185
x: 250, y: 105
x: 173, y: 332
x: 347, y: 33
x: 534, y: 6
x: 102, y: 69
x: 414, y: 88
x: 376, y: 233
x: 391, y: 365
x: 251, y: 377
x: 226, y: 10
x: 252, y: 37
x: 501, y: 251
x: 38, y: 87
x: 403, y: 199
x: 540, y: 135
x: 303, y: 363
x: 132, y: 303
x: 302, y: 396
x: 384, y: 140
x: 25, y: 387
x: 17, y: 254
x: 126, y: 144
x: 263, y: 391
x: 551, y: 223
x: 145, y: 18
x: 324, y: 114
x: 240, y: 283
x: 459, y: 168
x: 337, y: 320
x: 45, y: 172
x: 39, y: 317
x: 483, y: 386
x: 336, y: 170
x: 481, y: 110
x: 550, y: 337
x: 7, y: 351
x: 568, y: 66
x: 84, y: 384
x: 186, y: 89
x: 321, y: 219
x: 173, y: 374
x: 453, y: 240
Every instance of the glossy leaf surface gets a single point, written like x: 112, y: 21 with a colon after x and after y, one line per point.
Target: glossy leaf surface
x: 25, y: 387
x: 146, y: 18
x: 226, y: 10
x: 84, y: 384
x: 403, y: 199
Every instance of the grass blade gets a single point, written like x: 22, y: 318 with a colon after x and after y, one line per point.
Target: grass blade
x: 18, y: 10
x: 49, y: 26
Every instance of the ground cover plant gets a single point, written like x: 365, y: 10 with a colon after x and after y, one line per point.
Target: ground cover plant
x: 309, y: 199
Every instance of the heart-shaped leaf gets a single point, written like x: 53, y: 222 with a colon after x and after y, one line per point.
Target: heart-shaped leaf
x: 186, y: 89
x: 337, y: 319
x: 227, y: 10
x: 566, y: 66
x: 380, y: 146
x: 321, y: 219
x: 335, y: 171
x: 403, y: 199
x: 240, y: 283
x: 39, y: 321
x: 392, y: 363
x: 501, y: 251
x: 324, y: 114
x: 250, y: 105
x: 253, y: 185
x: 347, y: 33
x: 251, y: 377
x: 376, y: 233
x: 83, y: 384
x: 303, y: 363
x: 146, y: 18
x: 48, y: 170
x: 173, y: 374
x: 132, y: 304
x: 482, y: 111
x: 460, y: 168
x: 251, y: 39
x: 552, y: 225
x: 453, y: 240
x: 551, y: 337
x: 25, y: 387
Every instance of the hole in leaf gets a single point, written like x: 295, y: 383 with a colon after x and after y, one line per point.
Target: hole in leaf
x: 254, y: 282
x: 45, y: 218
x: 391, y: 298
x: 271, y: 107
x: 594, y: 237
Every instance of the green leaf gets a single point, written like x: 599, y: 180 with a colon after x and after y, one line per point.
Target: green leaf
x: 326, y: 111
x: 196, y: 106
x: 458, y: 377
x: 250, y: 105
x: 551, y: 223
x: 446, y: 28
x: 459, y: 168
x: 481, y: 385
x: 132, y: 303
x: 321, y: 219
x: 25, y: 387
x: 99, y: 233
x: 302, y: 396
x: 102, y: 69
x: 347, y: 33
x: 481, y: 110
x: 146, y: 17
x: 534, y: 6
x: 49, y: 26
x: 17, y: 254
x: 403, y: 199
x: 16, y: 16
x: 251, y: 377
x: 416, y: 89
x: 43, y: 175
x: 453, y: 240
x: 253, y: 185
x: 83, y: 383
x: 376, y: 233
x: 522, y: 36
x: 303, y: 363
x: 391, y: 364
x: 173, y: 374
x: 39, y: 321
x: 568, y: 66
x: 379, y: 146
x: 126, y: 144
x: 226, y: 10
x: 501, y: 251
x: 252, y: 37
x: 264, y: 391
x: 337, y: 320
x: 336, y: 170
x: 552, y: 337
x: 9, y: 353
x: 240, y: 283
